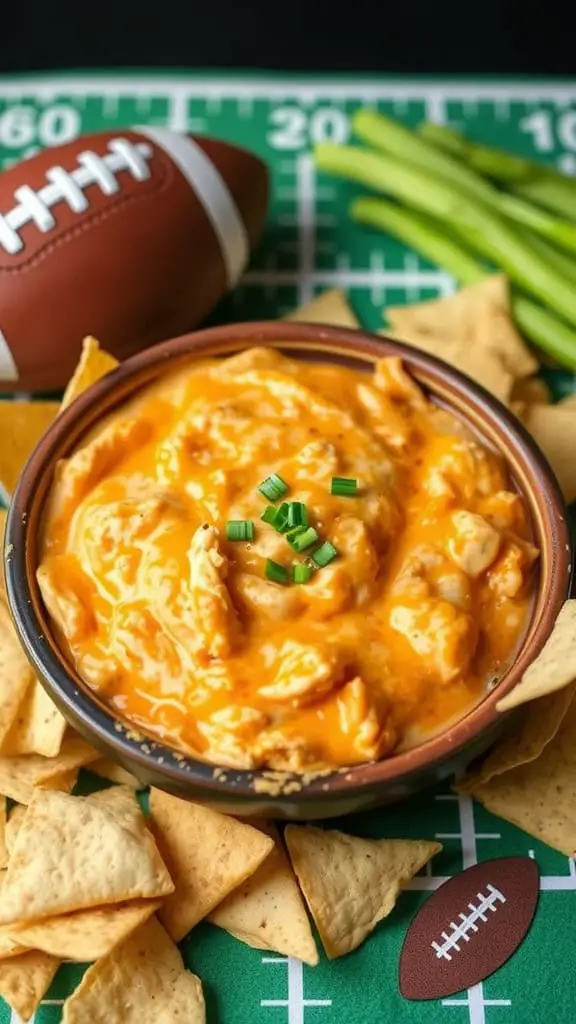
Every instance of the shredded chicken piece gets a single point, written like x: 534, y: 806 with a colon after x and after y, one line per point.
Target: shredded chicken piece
x: 214, y: 616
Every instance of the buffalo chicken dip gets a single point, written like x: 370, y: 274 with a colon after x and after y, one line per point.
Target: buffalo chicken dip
x: 273, y: 563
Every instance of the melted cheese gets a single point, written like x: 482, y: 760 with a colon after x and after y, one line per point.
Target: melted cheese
x: 181, y: 632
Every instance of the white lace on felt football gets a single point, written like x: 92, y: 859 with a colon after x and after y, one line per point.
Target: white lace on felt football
x: 467, y: 924
x: 68, y: 187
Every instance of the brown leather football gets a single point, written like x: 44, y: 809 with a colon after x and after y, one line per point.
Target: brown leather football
x: 130, y: 236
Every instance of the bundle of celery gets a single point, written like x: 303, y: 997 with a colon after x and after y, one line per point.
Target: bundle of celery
x: 450, y: 213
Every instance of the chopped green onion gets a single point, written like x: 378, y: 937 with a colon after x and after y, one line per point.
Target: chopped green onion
x: 240, y: 529
x: 297, y: 514
x: 301, y: 539
x: 325, y: 554
x: 269, y: 515
x: 273, y: 487
x: 281, y: 524
x: 302, y: 572
x: 344, y: 487
x: 276, y: 572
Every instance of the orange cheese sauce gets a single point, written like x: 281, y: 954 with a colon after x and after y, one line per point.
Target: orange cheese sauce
x: 178, y: 627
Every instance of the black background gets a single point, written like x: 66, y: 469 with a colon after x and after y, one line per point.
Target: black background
x: 411, y: 36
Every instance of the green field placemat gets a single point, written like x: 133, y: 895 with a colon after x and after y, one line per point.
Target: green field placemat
x: 308, y: 247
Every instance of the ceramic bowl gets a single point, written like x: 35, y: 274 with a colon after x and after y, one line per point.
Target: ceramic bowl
x: 248, y: 792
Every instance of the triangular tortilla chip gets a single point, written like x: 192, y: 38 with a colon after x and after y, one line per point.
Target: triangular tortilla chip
x: 107, y: 769
x: 533, y: 728
x: 208, y: 855
x: 9, y: 947
x: 25, y: 979
x: 552, y: 427
x: 87, y: 934
x: 17, y: 815
x: 38, y: 728
x: 94, y: 363
x: 20, y: 777
x: 555, y: 666
x: 72, y: 853
x: 330, y: 307
x: 143, y: 981
x: 540, y: 796
x: 481, y: 366
x: 267, y: 910
x: 531, y: 391
x: 3, y: 824
x: 22, y: 424
x: 16, y: 675
x: 351, y: 884
x: 478, y: 316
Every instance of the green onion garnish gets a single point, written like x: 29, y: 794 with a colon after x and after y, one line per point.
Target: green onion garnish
x: 344, y: 487
x: 281, y: 522
x: 240, y: 529
x: 297, y: 514
x: 302, y: 572
x: 301, y: 539
x: 276, y: 572
x: 325, y: 554
x: 273, y: 487
x: 269, y: 515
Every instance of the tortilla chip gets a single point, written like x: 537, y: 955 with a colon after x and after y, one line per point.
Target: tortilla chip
x: 555, y: 666
x: 72, y: 853
x: 208, y: 855
x: 25, y: 979
x: 552, y: 427
x: 351, y: 884
x: 329, y: 308
x: 477, y: 319
x: 483, y: 367
x: 3, y: 843
x: 38, y: 728
x: 87, y: 934
x: 568, y: 402
x: 9, y: 947
x: 94, y: 363
x: 107, y: 769
x: 531, y: 391
x: 143, y: 980
x: 267, y: 910
x: 21, y: 777
x: 532, y: 729
x: 13, y: 827
x: 540, y: 796
x: 16, y: 676
x: 22, y: 424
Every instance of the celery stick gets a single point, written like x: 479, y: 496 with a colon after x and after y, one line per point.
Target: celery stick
x: 537, y: 182
x: 488, y: 231
x: 562, y: 233
x: 389, y: 136
x: 426, y: 236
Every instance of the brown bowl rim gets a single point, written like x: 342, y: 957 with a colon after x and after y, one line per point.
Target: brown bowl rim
x: 153, y: 757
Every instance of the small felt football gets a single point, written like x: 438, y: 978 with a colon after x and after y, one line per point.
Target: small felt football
x: 469, y: 927
x: 129, y: 236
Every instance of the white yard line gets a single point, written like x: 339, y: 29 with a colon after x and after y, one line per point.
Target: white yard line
x: 306, y: 182
x: 343, y: 278
x: 279, y: 89
x: 295, y: 1003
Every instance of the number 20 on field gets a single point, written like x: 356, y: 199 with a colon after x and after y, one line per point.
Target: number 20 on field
x: 293, y: 128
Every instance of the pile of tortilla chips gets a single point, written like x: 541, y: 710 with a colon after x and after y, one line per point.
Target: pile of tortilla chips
x: 93, y: 879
